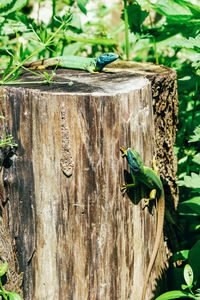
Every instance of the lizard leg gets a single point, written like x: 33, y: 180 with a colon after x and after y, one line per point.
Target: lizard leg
x: 128, y: 186
x: 152, y: 196
x: 124, y: 151
x: 41, y: 67
x: 155, y: 168
x: 90, y: 68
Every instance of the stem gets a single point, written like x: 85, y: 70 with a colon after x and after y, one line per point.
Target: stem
x: 3, y: 291
x: 38, y: 12
x: 53, y: 13
x: 35, y: 82
x: 25, y: 82
x: 154, y: 39
x: 155, y: 51
x: 195, y: 106
x: 188, y: 165
x: 98, y: 41
x: 126, y: 30
x: 34, y: 52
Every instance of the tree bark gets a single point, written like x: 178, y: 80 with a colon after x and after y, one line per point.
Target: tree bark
x: 75, y: 236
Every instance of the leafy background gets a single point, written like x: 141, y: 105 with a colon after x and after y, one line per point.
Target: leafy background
x: 164, y: 32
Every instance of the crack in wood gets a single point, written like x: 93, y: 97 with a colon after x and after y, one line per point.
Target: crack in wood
x: 66, y: 162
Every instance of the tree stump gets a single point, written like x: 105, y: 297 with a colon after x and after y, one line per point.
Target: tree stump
x: 74, y: 235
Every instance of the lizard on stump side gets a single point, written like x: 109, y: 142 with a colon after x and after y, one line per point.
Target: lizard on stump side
x: 150, y: 178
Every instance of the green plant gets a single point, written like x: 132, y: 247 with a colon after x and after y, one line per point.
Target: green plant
x: 189, y: 206
x: 133, y: 16
x: 41, y: 41
x: 126, y: 29
x: 6, y: 141
x: 5, y: 294
x: 172, y: 37
x: 184, y: 265
x: 11, y: 73
x: 9, y: 6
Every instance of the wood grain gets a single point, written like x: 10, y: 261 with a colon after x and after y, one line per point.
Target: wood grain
x: 76, y: 236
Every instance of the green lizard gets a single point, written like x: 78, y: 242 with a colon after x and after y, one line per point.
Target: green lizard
x: 144, y: 175
x: 91, y: 65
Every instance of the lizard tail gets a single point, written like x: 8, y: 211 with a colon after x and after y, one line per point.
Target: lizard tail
x: 34, y: 64
x: 160, y: 223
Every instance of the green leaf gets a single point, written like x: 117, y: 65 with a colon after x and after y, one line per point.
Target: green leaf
x: 5, y: 5
x: 188, y: 275
x: 46, y: 75
x: 192, y: 181
x: 194, y: 261
x: 136, y: 17
x: 72, y: 48
x: 175, y: 295
x: 172, y: 28
x: 3, y: 269
x: 196, y: 158
x: 75, y: 23
x: 82, y: 5
x: 181, y: 255
x: 14, y: 296
x: 196, y: 136
x: 173, y: 9
x: 197, y: 293
x: 8, y: 67
x: 183, y: 160
x: 193, y: 204
x: 11, y: 7
x: 191, y: 43
x: 5, y: 2
x: 195, y: 9
x: 184, y: 286
x: 11, y: 27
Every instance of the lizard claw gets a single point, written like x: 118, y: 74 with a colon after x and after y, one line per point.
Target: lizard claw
x: 124, y: 151
x: 124, y: 189
x: 146, y: 203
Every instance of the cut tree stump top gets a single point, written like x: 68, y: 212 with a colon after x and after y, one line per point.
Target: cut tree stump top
x: 120, y: 76
x: 80, y: 82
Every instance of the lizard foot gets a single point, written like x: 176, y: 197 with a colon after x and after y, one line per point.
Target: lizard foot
x: 146, y: 203
x: 152, y: 196
x: 124, y: 151
x: 42, y: 67
x: 124, y: 189
x: 155, y: 168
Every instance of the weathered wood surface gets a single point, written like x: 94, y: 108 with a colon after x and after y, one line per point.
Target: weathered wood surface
x: 165, y: 114
x: 76, y: 236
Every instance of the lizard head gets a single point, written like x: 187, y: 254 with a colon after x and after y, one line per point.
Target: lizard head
x: 134, y: 160
x: 104, y: 59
